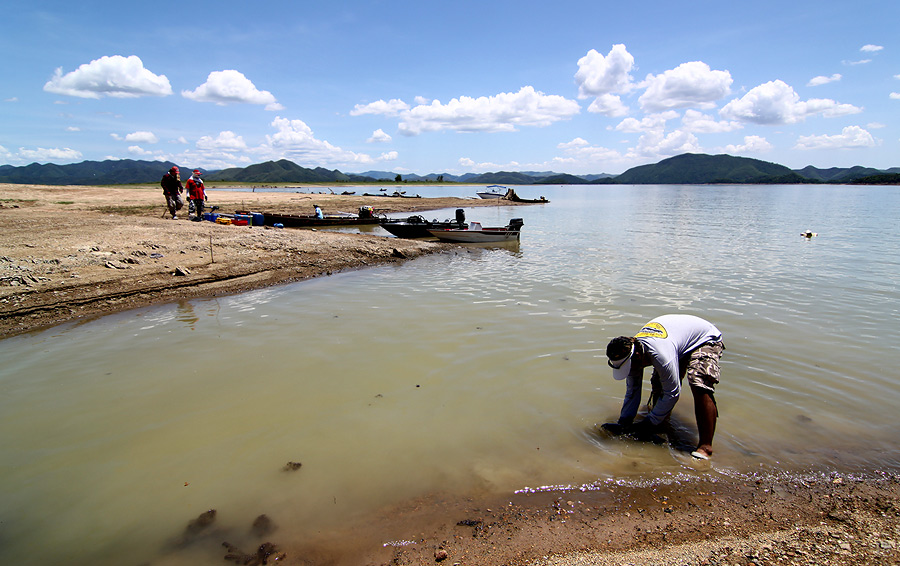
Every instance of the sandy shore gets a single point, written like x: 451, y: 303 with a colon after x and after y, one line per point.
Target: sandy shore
x: 75, y: 253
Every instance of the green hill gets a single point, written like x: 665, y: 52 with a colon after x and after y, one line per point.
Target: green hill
x: 281, y: 171
x: 695, y: 169
x: 838, y: 174
x: 503, y: 178
x: 110, y: 172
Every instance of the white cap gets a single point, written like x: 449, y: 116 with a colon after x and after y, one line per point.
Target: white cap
x: 622, y: 367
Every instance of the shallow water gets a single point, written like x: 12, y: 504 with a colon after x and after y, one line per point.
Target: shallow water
x: 472, y: 372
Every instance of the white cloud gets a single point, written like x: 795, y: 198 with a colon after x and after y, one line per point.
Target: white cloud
x: 392, y: 107
x: 598, y: 75
x: 775, y: 102
x: 379, y: 136
x: 649, y: 123
x: 822, y: 80
x: 687, y: 85
x: 694, y: 121
x: 138, y: 150
x: 225, y: 141
x: 503, y: 112
x: 850, y: 137
x: 13, y: 99
x: 860, y: 62
x: 116, y: 76
x: 295, y: 140
x: 895, y: 96
x: 657, y: 144
x: 73, y: 129
x: 752, y: 144
x: 422, y: 100
x: 871, y: 48
x: 389, y: 156
x: 49, y: 154
x: 583, y: 152
x: 608, y: 105
x: 231, y: 87
x: 471, y: 165
x: 141, y: 137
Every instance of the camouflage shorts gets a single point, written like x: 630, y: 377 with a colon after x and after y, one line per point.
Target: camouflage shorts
x: 703, y: 367
x: 702, y: 371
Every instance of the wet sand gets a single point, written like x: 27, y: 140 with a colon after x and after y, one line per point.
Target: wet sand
x: 75, y: 253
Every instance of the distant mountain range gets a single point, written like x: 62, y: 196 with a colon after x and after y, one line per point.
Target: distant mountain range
x: 689, y: 168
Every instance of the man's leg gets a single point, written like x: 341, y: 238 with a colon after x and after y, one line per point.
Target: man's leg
x: 706, y: 412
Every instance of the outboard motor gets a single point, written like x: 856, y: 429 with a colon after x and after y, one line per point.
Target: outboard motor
x: 460, y: 216
x: 515, y: 224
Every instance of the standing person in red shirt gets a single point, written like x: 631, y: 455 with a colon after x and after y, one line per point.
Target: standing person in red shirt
x: 197, y: 194
x: 172, y: 189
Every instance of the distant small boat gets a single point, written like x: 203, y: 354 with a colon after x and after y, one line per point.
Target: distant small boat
x: 475, y: 234
x: 493, y: 191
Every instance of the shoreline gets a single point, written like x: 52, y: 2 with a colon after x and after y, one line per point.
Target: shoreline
x: 72, y: 254
x: 802, y: 519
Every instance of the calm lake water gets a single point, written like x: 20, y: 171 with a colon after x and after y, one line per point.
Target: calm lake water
x: 480, y: 371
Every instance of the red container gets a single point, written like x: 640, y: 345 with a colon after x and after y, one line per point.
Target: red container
x: 239, y: 223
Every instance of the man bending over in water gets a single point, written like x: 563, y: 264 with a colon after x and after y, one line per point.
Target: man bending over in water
x: 675, y: 345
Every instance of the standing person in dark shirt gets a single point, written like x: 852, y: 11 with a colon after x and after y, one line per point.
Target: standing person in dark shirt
x: 172, y: 189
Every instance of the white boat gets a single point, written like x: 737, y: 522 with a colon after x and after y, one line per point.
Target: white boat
x: 493, y: 191
x: 476, y: 234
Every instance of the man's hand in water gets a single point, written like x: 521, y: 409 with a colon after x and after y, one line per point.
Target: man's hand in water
x: 614, y: 429
x: 617, y: 428
x: 644, y: 430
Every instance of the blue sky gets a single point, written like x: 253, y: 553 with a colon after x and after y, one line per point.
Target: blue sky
x: 450, y: 87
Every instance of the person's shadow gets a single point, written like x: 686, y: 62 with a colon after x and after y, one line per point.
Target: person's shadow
x: 673, y: 432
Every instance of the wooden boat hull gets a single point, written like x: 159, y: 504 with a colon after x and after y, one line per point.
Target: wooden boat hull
x: 304, y: 221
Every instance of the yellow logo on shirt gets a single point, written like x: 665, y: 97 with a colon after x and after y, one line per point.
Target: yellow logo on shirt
x: 652, y: 330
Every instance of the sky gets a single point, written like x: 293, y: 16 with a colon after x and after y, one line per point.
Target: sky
x: 578, y: 87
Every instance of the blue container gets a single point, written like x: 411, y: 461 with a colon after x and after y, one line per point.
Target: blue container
x: 258, y: 218
x: 211, y: 216
x: 246, y: 217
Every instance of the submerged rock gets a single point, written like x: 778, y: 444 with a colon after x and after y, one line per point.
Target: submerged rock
x: 267, y: 553
x: 263, y: 526
x: 201, y: 522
